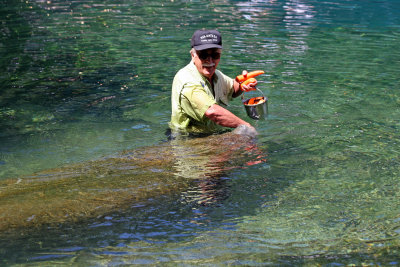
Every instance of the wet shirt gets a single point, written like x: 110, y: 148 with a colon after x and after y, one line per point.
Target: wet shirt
x: 192, y: 95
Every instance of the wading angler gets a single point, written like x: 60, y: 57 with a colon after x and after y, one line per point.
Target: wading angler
x: 200, y: 92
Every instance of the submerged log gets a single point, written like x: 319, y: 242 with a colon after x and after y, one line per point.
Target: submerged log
x: 90, y: 189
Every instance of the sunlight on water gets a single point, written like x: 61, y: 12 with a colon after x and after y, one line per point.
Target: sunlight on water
x: 87, y: 176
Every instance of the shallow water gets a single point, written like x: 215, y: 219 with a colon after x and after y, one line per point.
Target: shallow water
x: 83, y: 80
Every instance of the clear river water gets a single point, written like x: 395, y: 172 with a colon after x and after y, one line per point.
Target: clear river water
x: 89, y: 81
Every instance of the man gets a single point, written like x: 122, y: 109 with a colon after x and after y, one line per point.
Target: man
x: 199, y: 90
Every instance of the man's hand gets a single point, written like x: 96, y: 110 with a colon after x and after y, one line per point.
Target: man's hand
x: 249, y: 84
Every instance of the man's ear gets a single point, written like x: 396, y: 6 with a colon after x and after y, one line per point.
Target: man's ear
x: 192, y: 52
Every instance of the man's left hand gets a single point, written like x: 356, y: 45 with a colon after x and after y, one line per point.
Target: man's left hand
x: 248, y: 85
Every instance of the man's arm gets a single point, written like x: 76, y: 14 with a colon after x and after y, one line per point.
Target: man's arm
x: 224, y: 117
x: 237, y: 91
x: 199, y: 104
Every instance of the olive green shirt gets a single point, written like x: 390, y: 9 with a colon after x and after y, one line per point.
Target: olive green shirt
x: 192, y: 95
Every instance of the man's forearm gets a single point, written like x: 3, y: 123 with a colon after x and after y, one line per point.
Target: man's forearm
x: 224, y: 117
x: 236, y: 87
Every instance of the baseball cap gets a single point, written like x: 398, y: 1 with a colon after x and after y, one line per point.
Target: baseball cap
x: 205, y: 39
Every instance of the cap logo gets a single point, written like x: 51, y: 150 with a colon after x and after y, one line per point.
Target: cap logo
x: 209, y: 38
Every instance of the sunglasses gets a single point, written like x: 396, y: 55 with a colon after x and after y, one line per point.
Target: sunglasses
x: 203, y: 55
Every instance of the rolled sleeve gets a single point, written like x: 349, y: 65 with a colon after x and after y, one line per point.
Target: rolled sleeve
x: 195, y: 101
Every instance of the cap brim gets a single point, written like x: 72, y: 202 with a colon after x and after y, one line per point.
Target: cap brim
x: 206, y: 46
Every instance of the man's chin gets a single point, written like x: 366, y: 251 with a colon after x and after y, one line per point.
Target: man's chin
x: 208, y: 71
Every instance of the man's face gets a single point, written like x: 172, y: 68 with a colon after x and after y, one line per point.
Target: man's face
x: 206, y: 61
